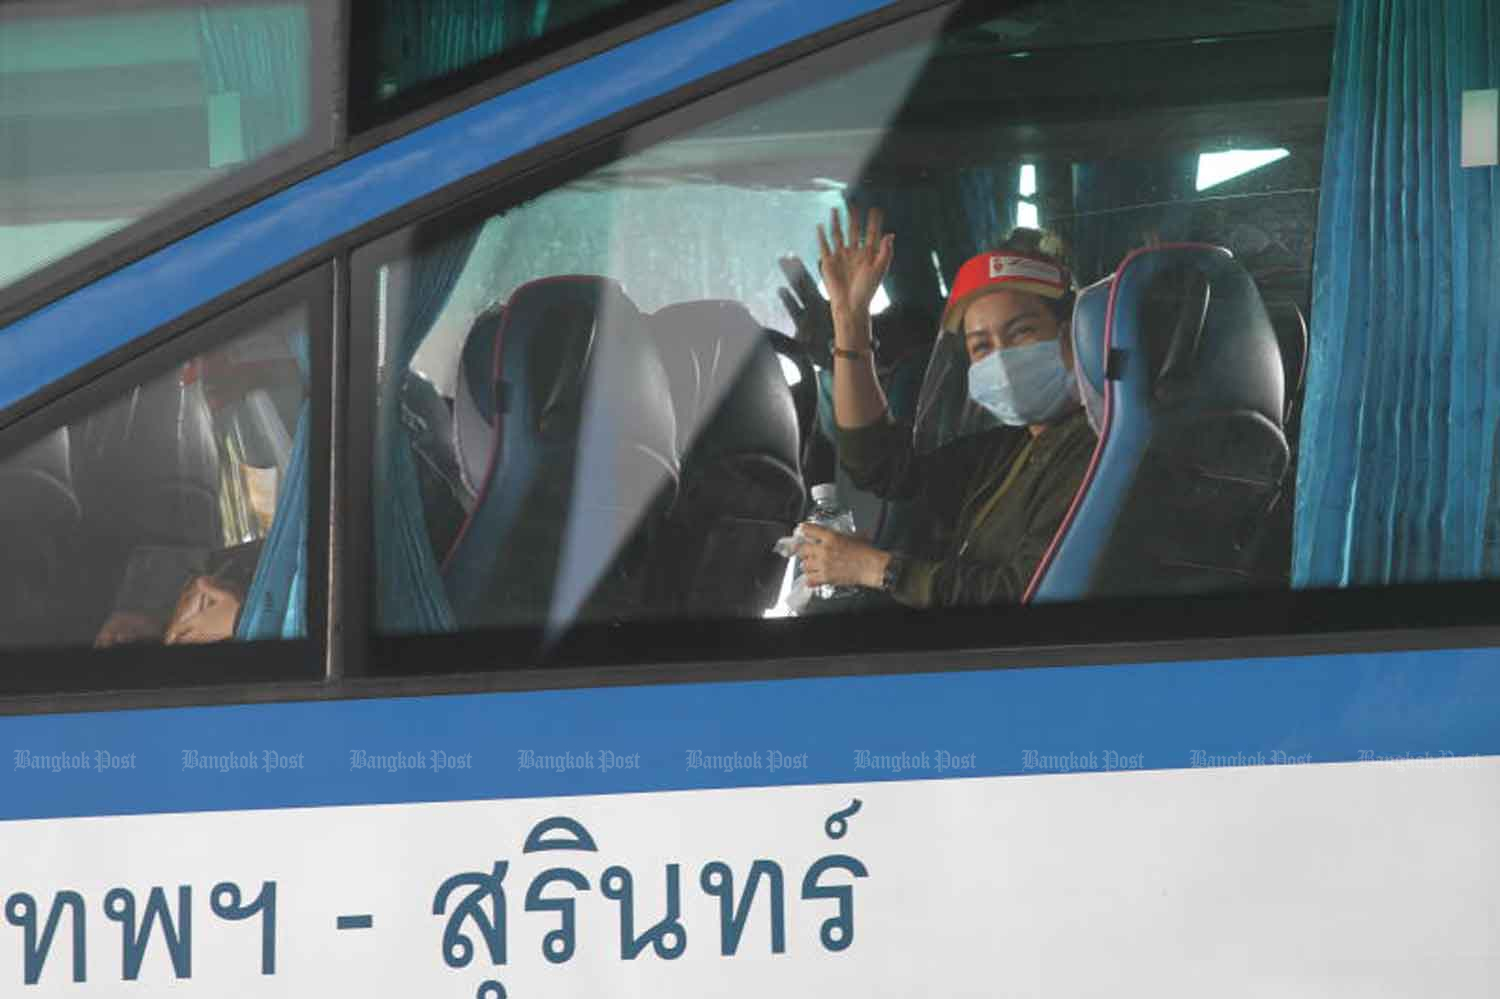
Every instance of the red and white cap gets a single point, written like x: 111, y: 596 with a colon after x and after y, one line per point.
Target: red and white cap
x: 1005, y: 270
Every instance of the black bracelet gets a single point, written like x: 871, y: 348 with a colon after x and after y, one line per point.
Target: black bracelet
x: 895, y: 568
x: 852, y: 355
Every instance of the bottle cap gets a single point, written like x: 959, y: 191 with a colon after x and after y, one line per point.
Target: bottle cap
x: 825, y: 492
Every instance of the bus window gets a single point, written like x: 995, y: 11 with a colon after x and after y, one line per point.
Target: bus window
x: 421, y: 51
x: 107, y: 115
x: 588, y: 414
x: 172, y: 512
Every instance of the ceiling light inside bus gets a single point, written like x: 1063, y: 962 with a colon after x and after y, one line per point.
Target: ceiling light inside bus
x: 1027, y: 181
x: 1216, y: 168
x: 937, y: 268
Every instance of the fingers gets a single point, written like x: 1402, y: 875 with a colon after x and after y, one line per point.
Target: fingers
x: 802, y: 282
x: 824, y: 250
x: 886, y: 251
x: 815, y: 533
x: 837, y: 227
x: 790, y: 304
x: 874, y: 221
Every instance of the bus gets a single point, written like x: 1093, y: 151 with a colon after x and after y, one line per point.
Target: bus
x: 410, y: 414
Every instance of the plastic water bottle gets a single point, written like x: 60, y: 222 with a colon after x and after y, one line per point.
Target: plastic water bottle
x: 828, y: 512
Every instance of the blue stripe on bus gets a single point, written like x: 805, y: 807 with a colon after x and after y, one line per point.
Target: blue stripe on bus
x: 110, y: 313
x: 1318, y: 709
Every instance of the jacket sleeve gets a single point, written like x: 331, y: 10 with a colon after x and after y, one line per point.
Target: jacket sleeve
x: 959, y: 580
x: 880, y: 459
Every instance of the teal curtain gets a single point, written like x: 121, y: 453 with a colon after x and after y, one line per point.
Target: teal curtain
x: 969, y: 211
x: 1398, y: 476
x: 262, y: 55
x: 423, y: 41
x: 409, y: 586
x: 276, y: 603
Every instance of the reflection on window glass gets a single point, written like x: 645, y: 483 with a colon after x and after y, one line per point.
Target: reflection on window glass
x: 106, y: 115
x: 169, y: 515
x: 414, y: 43
x: 619, y: 400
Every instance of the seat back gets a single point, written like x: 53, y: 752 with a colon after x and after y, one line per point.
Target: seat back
x: 38, y: 514
x: 1179, y: 365
x: 581, y: 461
x: 147, y: 467
x: 1291, y: 336
x: 739, y: 433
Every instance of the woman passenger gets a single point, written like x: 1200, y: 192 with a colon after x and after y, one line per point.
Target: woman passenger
x: 999, y: 496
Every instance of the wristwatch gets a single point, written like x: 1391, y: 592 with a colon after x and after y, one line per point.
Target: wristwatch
x: 895, y: 568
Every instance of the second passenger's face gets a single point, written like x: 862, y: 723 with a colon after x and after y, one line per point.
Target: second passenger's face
x: 1004, y: 319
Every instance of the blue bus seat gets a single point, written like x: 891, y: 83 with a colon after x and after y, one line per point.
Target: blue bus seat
x: 1291, y: 336
x: 580, y: 465
x: 147, y: 466
x: 1182, y: 372
x: 804, y: 388
x: 739, y: 433
x: 39, y: 513
x: 428, y: 420
x: 474, y: 411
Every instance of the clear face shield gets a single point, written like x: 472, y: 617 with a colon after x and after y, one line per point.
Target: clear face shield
x: 944, y: 410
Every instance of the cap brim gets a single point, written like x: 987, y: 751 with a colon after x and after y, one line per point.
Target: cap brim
x: 953, y: 315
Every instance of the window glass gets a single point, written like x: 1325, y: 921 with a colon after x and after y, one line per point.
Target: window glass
x: 400, y: 46
x: 609, y: 403
x: 174, y: 512
x: 107, y: 115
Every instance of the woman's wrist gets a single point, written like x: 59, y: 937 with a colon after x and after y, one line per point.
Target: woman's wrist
x: 851, y: 330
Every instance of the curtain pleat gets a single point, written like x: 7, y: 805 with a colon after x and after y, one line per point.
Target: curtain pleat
x: 276, y: 602
x: 260, y: 54
x: 409, y: 591
x: 426, y: 40
x: 1397, y: 478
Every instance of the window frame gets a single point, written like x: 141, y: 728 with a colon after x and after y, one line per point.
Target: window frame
x: 330, y: 558
x: 73, y: 670
x: 1291, y: 622
x: 589, y: 37
x: 1431, y: 623
x: 197, y: 208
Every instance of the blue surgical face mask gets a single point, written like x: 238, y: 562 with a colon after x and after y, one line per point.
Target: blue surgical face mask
x: 1024, y: 385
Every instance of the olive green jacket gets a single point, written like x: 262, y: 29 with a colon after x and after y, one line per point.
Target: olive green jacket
x: 998, y: 498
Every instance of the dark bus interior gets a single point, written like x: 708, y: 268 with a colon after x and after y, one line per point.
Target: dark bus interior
x: 1106, y: 127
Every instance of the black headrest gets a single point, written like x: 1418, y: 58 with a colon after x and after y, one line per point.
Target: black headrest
x: 804, y: 384
x: 728, y: 386
x: 36, y: 486
x: 474, y: 400
x: 584, y: 450
x: 150, y: 460
x: 1291, y: 336
x: 1193, y: 320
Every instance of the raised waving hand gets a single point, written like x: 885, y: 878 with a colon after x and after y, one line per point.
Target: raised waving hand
x: 853, y: 269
